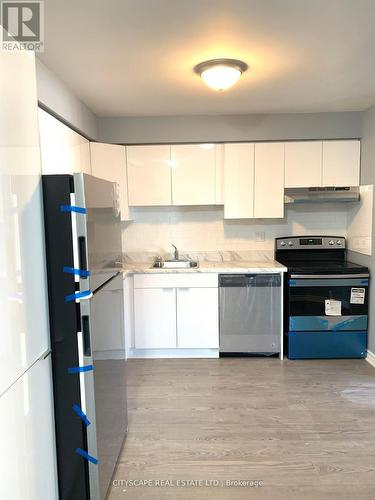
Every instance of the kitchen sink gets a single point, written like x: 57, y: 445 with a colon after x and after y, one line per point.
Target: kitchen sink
x: 175, y: 264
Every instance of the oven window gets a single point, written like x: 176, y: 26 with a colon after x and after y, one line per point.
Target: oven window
x: 310, y: 300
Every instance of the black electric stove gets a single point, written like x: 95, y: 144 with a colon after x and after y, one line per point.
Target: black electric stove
x: 326, y: 298
x: 322, y: 255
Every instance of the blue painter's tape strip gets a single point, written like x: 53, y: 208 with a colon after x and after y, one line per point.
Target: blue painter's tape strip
x: 88, y: 457
x: 81, y: 415
x: 72, y: 208
x: 78, y: 295
x: 78, y: 272
x: 80, y: 369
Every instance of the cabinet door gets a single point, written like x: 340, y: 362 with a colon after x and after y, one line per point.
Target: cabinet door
x: 239, y: 181
x: 269, y: 180
x: 155, y: 318
x: 108, y: 161
x: 63, y: 151
x: 23, y: 289
x: 303, y: 164
x: 27, y: 436
x: 149, y: 175
x: 197, y: 318
x: 341, y: 163
x: 193, y: 174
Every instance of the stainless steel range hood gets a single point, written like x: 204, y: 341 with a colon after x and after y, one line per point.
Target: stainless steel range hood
x: 321, y: 194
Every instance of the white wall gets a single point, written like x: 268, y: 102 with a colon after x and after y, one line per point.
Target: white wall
x: 57, y: 97
x: 221, y: 128
x: 203, y: 229
x: 368, y: 177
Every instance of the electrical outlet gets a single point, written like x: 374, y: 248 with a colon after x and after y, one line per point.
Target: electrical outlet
x: 260, y: 236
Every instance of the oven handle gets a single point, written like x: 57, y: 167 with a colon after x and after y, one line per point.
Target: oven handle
x: 328, y: 276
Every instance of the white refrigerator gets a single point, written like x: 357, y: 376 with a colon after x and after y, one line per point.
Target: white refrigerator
x: 27, y: 437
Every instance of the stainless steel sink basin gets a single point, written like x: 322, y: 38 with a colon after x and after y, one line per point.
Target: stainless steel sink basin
x: 175, y: 264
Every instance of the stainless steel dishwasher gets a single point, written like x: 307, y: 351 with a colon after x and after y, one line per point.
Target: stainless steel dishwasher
x: 250, y: 314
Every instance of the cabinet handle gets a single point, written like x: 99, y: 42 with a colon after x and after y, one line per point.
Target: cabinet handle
x: 167, y: 289
x: 183, y: 289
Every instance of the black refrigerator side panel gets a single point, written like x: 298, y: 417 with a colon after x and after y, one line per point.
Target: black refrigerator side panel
x: 64, y: 324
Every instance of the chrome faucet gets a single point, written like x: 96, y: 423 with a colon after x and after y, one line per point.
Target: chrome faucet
x: 176, y: 253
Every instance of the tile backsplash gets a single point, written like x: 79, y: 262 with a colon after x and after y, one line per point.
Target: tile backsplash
x: 195, y: 229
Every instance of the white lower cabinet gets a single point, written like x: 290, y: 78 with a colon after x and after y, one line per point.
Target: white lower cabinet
x: 176, y: 311
x: 155, y: 318
x: 197, y: 318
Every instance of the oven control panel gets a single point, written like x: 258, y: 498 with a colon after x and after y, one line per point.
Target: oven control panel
x: 310, y: 243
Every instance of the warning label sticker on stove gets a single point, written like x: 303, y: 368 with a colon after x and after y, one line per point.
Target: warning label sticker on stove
x: 333, y: 307
x: 357, y: 296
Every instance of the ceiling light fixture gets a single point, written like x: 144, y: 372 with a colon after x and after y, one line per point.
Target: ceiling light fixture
x: 220, y: 74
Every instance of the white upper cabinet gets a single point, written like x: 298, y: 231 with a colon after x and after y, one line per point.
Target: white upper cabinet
x: 303, y: 164
x: 269, y: 180
x: 63, y: 151
x: 193, y: 174
x: 108, y: 161
x: 239, y: 181
x: 149, y: 175
x: 341, y: 163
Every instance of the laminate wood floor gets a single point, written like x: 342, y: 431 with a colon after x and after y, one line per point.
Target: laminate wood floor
x: 304, y: 428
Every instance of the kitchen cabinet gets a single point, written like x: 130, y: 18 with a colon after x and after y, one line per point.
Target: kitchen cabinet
x: 341, y: 163
x: 253, y: 180
x: 183, y: 174
x: 27, y: 436
x: 176, y: 310
x: 108, y: 161
x: 197, y: 318
x: 303, y: 164
x: 269, y: 180
x: 63, y: 151
x: 322, y: 163
x: 149, y: 175
x: 239, y: 181
x: 193, y: 174
x: 155, y: 318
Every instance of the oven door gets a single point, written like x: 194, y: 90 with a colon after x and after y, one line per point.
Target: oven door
x: 327, y: 303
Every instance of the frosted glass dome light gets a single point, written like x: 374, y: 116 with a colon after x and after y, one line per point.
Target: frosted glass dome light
x: 220, y: 74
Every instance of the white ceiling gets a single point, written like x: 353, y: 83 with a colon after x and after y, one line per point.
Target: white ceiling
x: 136, y: 57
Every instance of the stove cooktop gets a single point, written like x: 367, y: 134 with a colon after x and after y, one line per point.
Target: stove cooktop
x: 324, y: 267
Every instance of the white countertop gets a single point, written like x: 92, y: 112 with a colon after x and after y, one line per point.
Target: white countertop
x: 230, y: 267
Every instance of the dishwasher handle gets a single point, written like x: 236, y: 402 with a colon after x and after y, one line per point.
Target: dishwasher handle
x: 249, y: 280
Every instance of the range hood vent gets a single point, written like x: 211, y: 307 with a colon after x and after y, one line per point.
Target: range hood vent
x: 322, y: 194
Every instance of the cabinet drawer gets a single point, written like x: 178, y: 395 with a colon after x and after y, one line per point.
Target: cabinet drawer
x: 176, y: 280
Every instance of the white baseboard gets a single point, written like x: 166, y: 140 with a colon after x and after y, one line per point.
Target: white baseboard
x: 103, y: 355
x: 173, y: 353
x: 370, y: 358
